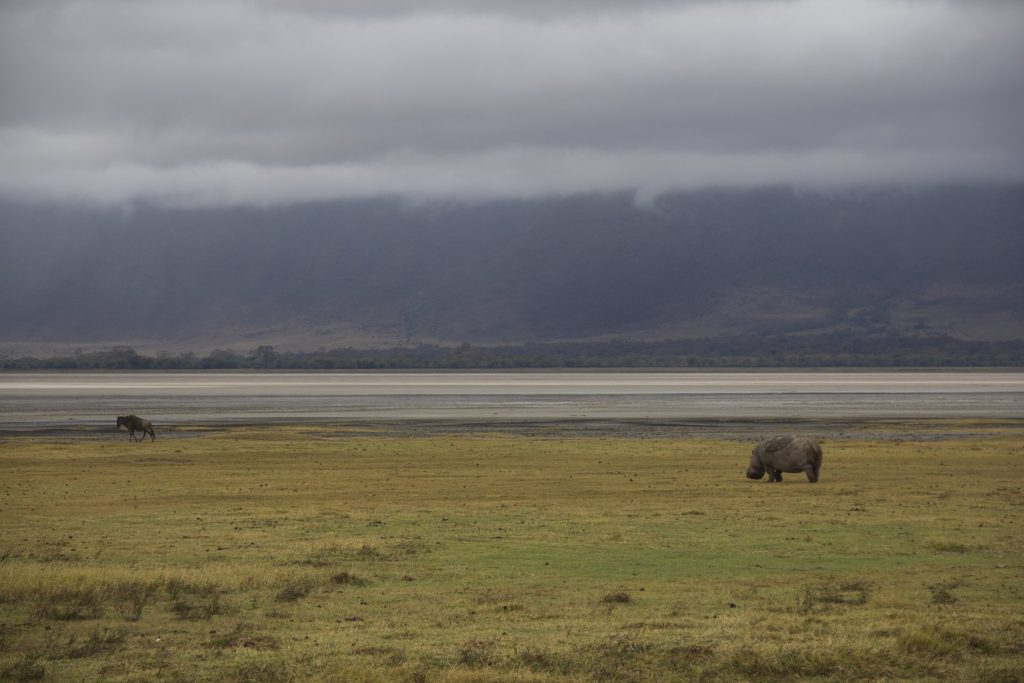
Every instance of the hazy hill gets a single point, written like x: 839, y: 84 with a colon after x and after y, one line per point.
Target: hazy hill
x: 943, y: 260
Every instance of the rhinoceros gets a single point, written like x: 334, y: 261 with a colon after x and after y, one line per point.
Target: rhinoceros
x: 785, y: 454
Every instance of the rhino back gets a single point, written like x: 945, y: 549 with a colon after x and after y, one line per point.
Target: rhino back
x: 792, y: 454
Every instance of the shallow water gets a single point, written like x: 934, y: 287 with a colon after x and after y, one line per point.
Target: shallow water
x: 39, y: 399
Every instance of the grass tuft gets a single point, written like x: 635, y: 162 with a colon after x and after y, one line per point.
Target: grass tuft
x: 295, y: 588
x: 262, y: 670
x: 345, y: 578
x: 194, y: 601
x: 28, y: 667
x: 478, y: 654
x: 131, y: 597
x: 833, y: 593
x: 244, y: 636
x: 945, y: 546
x: 66, y: 603
x: 942, y: 642
x: 617, y: 598
x: 942, y: 593
x: 102, y: 641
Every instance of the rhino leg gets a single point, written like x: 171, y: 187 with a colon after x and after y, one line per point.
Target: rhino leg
x: 812, y: 473
x: 778, y: 475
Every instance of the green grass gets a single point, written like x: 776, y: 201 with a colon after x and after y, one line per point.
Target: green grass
x: 294, y: 553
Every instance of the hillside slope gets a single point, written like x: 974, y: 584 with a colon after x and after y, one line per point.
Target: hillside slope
x: 943, y: 260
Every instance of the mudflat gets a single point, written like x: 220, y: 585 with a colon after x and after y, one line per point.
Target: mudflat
x: 182, y: 398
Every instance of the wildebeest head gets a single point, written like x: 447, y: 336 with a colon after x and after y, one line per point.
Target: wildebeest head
x: 756, y: 468
x: 123, y: 422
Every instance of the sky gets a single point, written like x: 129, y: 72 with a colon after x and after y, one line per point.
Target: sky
x: 200, y: 103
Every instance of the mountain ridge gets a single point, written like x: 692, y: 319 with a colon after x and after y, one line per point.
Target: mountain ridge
x: 374, y: 273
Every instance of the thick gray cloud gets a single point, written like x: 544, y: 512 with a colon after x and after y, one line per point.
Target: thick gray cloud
x: 211, y: 103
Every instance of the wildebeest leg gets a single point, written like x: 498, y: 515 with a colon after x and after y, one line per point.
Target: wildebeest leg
x: 812, y: 474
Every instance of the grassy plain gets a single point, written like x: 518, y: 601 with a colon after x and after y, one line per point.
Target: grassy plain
x: 326, y: 554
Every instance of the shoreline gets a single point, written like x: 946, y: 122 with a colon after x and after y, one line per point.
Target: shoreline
x: 740, y: 429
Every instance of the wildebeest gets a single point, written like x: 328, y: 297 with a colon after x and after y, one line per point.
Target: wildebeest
x: 785, y: 454
x: 133, y: 424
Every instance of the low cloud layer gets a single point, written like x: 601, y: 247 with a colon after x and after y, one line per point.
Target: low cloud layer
x: 232, y: 103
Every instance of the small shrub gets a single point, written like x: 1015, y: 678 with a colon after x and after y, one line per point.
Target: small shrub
x: 368, y: 552
x: 478, y: 654
x: 66, y: 603
x: 390, y: 655
x: 1013, y: 673
x: 789, y: 663
x: 348, y: 579
x: 262, y: 671
x: 617, y: 658
x: 541, y: 661
x: 942, y: 593
x: 410, y: 547
x: 194, y: 602
x: 100, y: 642
x: 831, y: 593
x: 928, y: 640
x: 943, y: 546
x: 326, y: 556
x: 177, y: 587
x: 131, y: 597
x: 244, y: 636
x: 197, y: 609
x: 938, y: 640
x: 28, y: 667
x: 618, y: 597
x: 295, y: 588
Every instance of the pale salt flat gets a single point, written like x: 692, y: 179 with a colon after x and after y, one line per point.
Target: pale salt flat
x: 37, y: 399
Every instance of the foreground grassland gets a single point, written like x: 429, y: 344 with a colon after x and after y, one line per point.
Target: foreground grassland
x: 294, y: 553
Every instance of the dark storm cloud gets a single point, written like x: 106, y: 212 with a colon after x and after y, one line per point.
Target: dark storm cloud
x: 267, y: 102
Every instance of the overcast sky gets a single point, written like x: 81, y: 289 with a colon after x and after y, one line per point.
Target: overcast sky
x: 227, y: 103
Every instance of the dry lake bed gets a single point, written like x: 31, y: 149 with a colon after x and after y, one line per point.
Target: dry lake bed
x: 41, y: 400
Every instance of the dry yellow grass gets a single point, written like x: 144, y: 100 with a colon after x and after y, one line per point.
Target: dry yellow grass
x: 301, y: 553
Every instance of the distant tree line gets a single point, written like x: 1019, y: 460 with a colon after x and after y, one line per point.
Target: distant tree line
x: 748, y: 351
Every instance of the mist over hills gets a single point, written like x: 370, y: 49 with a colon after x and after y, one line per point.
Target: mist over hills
x: 870, y: 262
